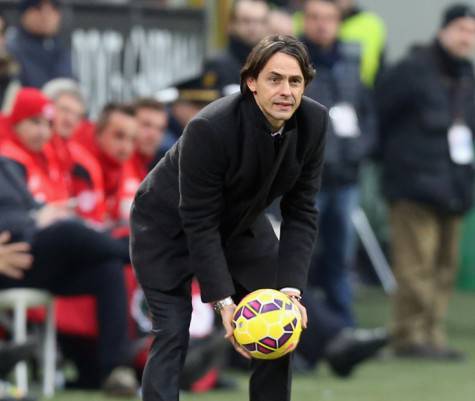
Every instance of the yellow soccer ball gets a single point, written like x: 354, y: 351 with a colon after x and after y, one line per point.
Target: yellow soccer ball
x: 267, y: 324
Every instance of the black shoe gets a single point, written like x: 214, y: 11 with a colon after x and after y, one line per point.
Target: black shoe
x: 428, y: 352
x: 450, y: 354
x: 12, y: 353
x: 353, y: 346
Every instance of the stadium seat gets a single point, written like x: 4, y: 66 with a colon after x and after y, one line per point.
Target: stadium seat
x: 18, y: 300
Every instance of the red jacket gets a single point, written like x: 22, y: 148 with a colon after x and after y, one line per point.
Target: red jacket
x: 42, y: 170
x: 140, y: 165
x: 84, y: 178
x: 120, y: 185
x: 3, y: 128
x: 120, y: 181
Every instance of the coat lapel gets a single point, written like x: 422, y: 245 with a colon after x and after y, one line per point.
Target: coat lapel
x: 261, y: 138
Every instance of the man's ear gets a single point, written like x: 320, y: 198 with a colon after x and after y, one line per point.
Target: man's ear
x: 251, y: 84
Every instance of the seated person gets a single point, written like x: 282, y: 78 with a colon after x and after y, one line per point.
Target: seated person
x: 28, y: 134
x: 83, y: 172
x: 152, y: 121
x: 112, y: 143
x: 68, y: 258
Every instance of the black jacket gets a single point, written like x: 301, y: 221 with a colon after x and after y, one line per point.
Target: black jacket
x: 338, y: 81
x: 41, y: 59
x: 418, y: 101
x: 16, y: 203
x: 200, y: 211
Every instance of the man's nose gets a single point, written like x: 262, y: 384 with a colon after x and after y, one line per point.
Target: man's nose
x: 285, y: 89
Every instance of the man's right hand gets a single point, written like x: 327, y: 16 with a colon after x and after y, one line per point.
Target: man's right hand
x: 14, y: 257
x: 52, y: 213
x: 227, y: 316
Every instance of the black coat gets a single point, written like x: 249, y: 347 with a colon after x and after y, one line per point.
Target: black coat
x: 338, y: 81
x: 41, y: 59
x: 417, y: 99
x: 16, y: 202
x: 200, y: 211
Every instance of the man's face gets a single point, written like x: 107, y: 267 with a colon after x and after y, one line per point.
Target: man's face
x: 321, y: 22
x: 69, y: 111
x: 278, y: 88
x: 151, y: 126
x: 250, y: 23
x: 458, y: 37
x: 117, y: 139
x: 34, y: 132
x: 43, y: 20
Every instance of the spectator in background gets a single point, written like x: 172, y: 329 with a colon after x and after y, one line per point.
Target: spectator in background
x: 280, y: 22
x: 247, y: 26
x: 191, y: 97
x: 113, y: 146
x: 426, y: 105
x: 36, y: 43
x: 350, y: 136
x: 9, y: 69
x: 152, y: 122
x: 367, y: 29
x: 329, y: 338
x: 49, y: 227
x: 77, y: 164
x: 28, y: 143
x: 67, y: 259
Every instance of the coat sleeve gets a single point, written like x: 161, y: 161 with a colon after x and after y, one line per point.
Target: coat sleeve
x: 299, y: 218
x: 16, y: 204
x: 202, y: 167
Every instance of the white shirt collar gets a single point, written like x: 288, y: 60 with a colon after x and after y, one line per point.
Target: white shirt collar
x: 279, y: 132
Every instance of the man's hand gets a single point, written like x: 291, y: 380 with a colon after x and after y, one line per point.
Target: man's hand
x: 295, y: 298
x: 227, y: 316
x: 14, y: 258
x: 52, y: 213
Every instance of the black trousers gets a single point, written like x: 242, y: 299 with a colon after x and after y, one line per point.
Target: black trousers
x: 72, y: 259
x: 171, y: 314
x: 323, y: 326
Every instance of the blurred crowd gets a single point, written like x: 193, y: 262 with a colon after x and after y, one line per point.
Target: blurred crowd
x: 67, y: 185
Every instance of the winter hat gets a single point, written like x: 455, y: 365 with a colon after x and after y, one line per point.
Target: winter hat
x: 30, y: 102
x: 457, y: 11
x: 24, y: 5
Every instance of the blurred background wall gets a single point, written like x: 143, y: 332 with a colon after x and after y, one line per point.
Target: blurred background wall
x: 408, y: 21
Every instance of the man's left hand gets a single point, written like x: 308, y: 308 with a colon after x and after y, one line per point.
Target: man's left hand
x: 295, y: 298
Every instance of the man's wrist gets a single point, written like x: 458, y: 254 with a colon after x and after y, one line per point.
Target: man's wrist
x: 218, y: 306
x: 293, y: 293
x: 291, y: 290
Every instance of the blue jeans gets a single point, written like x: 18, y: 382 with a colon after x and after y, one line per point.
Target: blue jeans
x: 336, y: 249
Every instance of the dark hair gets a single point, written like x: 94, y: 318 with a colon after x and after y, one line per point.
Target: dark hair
x: 266, y: 48
x: 108, y: 110
x: 456, y: 11
x: 148, y: 103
